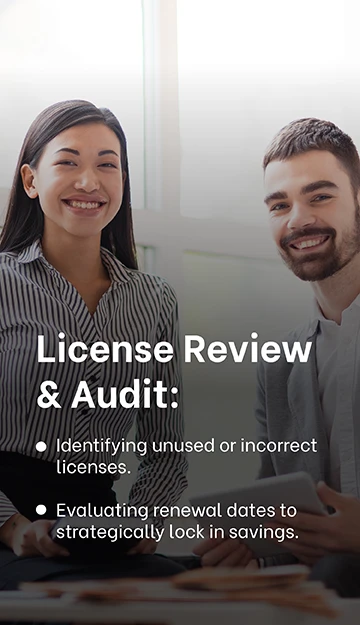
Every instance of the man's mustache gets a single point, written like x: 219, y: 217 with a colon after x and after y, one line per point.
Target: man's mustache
x: 306, y: 232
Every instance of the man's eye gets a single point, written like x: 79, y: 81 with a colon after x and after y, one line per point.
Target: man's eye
x: 320, y: 198
x: 278, y: 207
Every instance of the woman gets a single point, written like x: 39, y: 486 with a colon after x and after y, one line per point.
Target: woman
x: 68, y: 273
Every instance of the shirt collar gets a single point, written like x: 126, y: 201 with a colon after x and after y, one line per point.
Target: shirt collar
x: 31, y: 253
x: 117, y: 271
x: 317, y: 314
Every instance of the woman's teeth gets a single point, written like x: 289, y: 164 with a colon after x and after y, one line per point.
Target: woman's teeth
x: 86, y: 205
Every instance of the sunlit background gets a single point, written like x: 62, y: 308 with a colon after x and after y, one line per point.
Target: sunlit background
x: 200, y: 88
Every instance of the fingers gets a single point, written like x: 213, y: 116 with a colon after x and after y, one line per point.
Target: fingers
x: 147, y: 546
x: 302, y: 521
x: 207, y: 545
x: 304, y: 551
x: 331, y: 497
x: 44, y: 543
x: 25, y: 550
x: 227, y: 552
x: 239, y: 557
x: 324, y: 541
x: 49, y: 549
x: 150, y: 548
x: 138, y: 548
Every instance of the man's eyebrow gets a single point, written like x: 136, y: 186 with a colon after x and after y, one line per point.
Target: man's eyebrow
x: 308, y: 188
x: 277, y: 195
x: 319, y: 184
x: 77, y: 153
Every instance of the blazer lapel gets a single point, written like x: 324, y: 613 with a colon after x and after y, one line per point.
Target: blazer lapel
x: 305, y: 406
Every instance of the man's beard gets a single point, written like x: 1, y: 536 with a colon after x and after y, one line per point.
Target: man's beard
x: 314, y: 267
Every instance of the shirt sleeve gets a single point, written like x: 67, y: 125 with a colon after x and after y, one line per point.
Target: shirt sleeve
x: 7, y: 509
x: 161, y: 477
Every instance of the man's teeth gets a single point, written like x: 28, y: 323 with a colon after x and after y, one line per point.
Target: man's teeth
x: 87, y: 205
x: 309, y: 243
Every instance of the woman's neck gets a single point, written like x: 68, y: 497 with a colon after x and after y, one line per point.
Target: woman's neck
x: 77, y: 259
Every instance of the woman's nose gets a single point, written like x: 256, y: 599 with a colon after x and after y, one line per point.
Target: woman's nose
x: 87, y: 180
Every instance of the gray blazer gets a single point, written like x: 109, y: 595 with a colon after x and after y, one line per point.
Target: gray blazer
x: 288, y: 408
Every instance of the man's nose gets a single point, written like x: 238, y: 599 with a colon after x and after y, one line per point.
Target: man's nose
x: 87, y: 180
x: 301, y: 216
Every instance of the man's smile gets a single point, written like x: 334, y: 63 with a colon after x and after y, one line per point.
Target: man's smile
x: 309, y: 243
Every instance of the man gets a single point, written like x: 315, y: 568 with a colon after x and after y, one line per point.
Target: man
x: 312, y: 185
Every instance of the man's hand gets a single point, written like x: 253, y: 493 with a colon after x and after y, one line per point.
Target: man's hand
x: 28, y: 539
x: 319, y: 535
x: 223, y: 552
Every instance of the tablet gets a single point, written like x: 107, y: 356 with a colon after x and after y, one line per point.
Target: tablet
x: 292, y: 489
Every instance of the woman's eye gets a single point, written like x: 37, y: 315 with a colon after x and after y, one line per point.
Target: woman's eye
x: 66, y: 163
x: 108, y: 165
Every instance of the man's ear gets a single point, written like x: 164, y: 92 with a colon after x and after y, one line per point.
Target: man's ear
x: 28, y: 181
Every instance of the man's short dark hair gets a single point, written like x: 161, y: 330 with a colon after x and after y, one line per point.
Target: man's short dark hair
x: 304, y: 135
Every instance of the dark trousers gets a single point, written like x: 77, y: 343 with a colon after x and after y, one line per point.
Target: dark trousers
x: 49, y: 488
x: 14, y: 570
x: 340, y: 572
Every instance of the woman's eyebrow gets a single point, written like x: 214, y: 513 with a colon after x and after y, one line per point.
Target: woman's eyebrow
x: 68, y: 150
x: 77, y: 153
x: 108, y: 152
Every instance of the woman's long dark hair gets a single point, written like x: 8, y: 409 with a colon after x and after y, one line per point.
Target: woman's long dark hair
x: 24, y: 221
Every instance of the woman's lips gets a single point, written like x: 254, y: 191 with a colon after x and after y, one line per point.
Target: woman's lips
x: 84, y: 209
x: 84, y: 205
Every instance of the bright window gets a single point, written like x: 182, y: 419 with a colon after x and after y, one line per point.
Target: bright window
x: 65, y: 49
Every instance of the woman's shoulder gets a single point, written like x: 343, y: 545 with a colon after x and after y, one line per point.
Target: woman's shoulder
x: 146, y: 284
x: 23, y: 257
x: 6, y: 256
x: 151, y: 284
x: 8, y: 261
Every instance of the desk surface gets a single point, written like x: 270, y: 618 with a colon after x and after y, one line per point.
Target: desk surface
x: 62, y: 610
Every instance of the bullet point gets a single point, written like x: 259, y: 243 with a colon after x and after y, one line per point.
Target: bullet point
x: 40, y: 509
x: 41, y: 446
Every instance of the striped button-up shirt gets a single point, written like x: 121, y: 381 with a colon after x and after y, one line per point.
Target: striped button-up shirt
x: 35, y: 300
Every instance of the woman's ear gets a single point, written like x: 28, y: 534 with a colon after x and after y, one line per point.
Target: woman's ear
x: 28, y: 181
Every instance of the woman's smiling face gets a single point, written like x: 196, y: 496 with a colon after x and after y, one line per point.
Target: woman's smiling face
x: 78, y: 180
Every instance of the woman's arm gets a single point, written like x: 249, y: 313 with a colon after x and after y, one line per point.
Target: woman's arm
x: 26, y: 538
x: 161, y: 477
x: 7, y: 510
x: 11, y: 527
